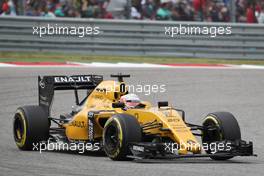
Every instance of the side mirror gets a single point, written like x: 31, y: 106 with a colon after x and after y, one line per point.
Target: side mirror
x: 118, y: 105
x: 163, y: 104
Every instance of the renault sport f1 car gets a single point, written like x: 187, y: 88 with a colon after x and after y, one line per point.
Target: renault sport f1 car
x: 142, y: 131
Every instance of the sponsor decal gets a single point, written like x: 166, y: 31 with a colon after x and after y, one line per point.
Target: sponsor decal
x: 173, y: 120
x: 42, y: 84
x: 43, y: 102
x: 90, y: 126
x: 138, y: 148
x: 79, y: 124
x: 101, y: 90
x: 71, y: 79
x: 43, y: 98
x: 98, y: 97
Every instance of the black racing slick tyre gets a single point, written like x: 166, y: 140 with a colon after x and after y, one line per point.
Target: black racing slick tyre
x: 119, y: 131
x: 30, y: 126
x: 225, y: 128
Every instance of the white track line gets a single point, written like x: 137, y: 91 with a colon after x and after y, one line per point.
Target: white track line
x: 144, y: 65
x: 120, y: 65
x: 7, y: 65
x: 251, y: 66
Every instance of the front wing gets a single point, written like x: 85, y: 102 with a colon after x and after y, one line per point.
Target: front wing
x: 147, y: 151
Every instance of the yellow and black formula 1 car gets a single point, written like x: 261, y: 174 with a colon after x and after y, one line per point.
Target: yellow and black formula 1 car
x: 141, y: 132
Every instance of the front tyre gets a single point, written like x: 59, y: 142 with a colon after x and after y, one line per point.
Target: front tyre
x: 119, y: 131
x: 223, y: 126
x: 30, y: 125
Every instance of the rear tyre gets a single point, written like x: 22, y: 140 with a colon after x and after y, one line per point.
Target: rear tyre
x: 119, y: 131
x: 30, y: 125
x: 226, y: 128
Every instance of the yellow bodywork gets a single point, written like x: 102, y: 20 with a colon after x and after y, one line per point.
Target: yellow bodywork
x: 101, y: 100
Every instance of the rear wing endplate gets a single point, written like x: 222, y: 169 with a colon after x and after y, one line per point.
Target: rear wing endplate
x: 48, y: 84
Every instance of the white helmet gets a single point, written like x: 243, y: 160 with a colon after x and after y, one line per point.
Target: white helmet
x: 130, y: 100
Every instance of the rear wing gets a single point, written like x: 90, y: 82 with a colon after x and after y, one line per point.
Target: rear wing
x: 48, y: 84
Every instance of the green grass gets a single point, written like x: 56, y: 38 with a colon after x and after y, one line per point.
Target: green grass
x: 60, y: 57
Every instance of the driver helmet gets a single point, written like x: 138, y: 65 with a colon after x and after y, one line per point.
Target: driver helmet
x: 130, y: 100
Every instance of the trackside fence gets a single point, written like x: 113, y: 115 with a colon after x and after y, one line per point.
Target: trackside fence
x: 131, y: 38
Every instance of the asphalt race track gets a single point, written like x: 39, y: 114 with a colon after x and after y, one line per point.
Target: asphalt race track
x: 197, y: 91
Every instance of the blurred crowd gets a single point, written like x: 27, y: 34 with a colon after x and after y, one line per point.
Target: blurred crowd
x: 58, y: 8
x: 247, y: 11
